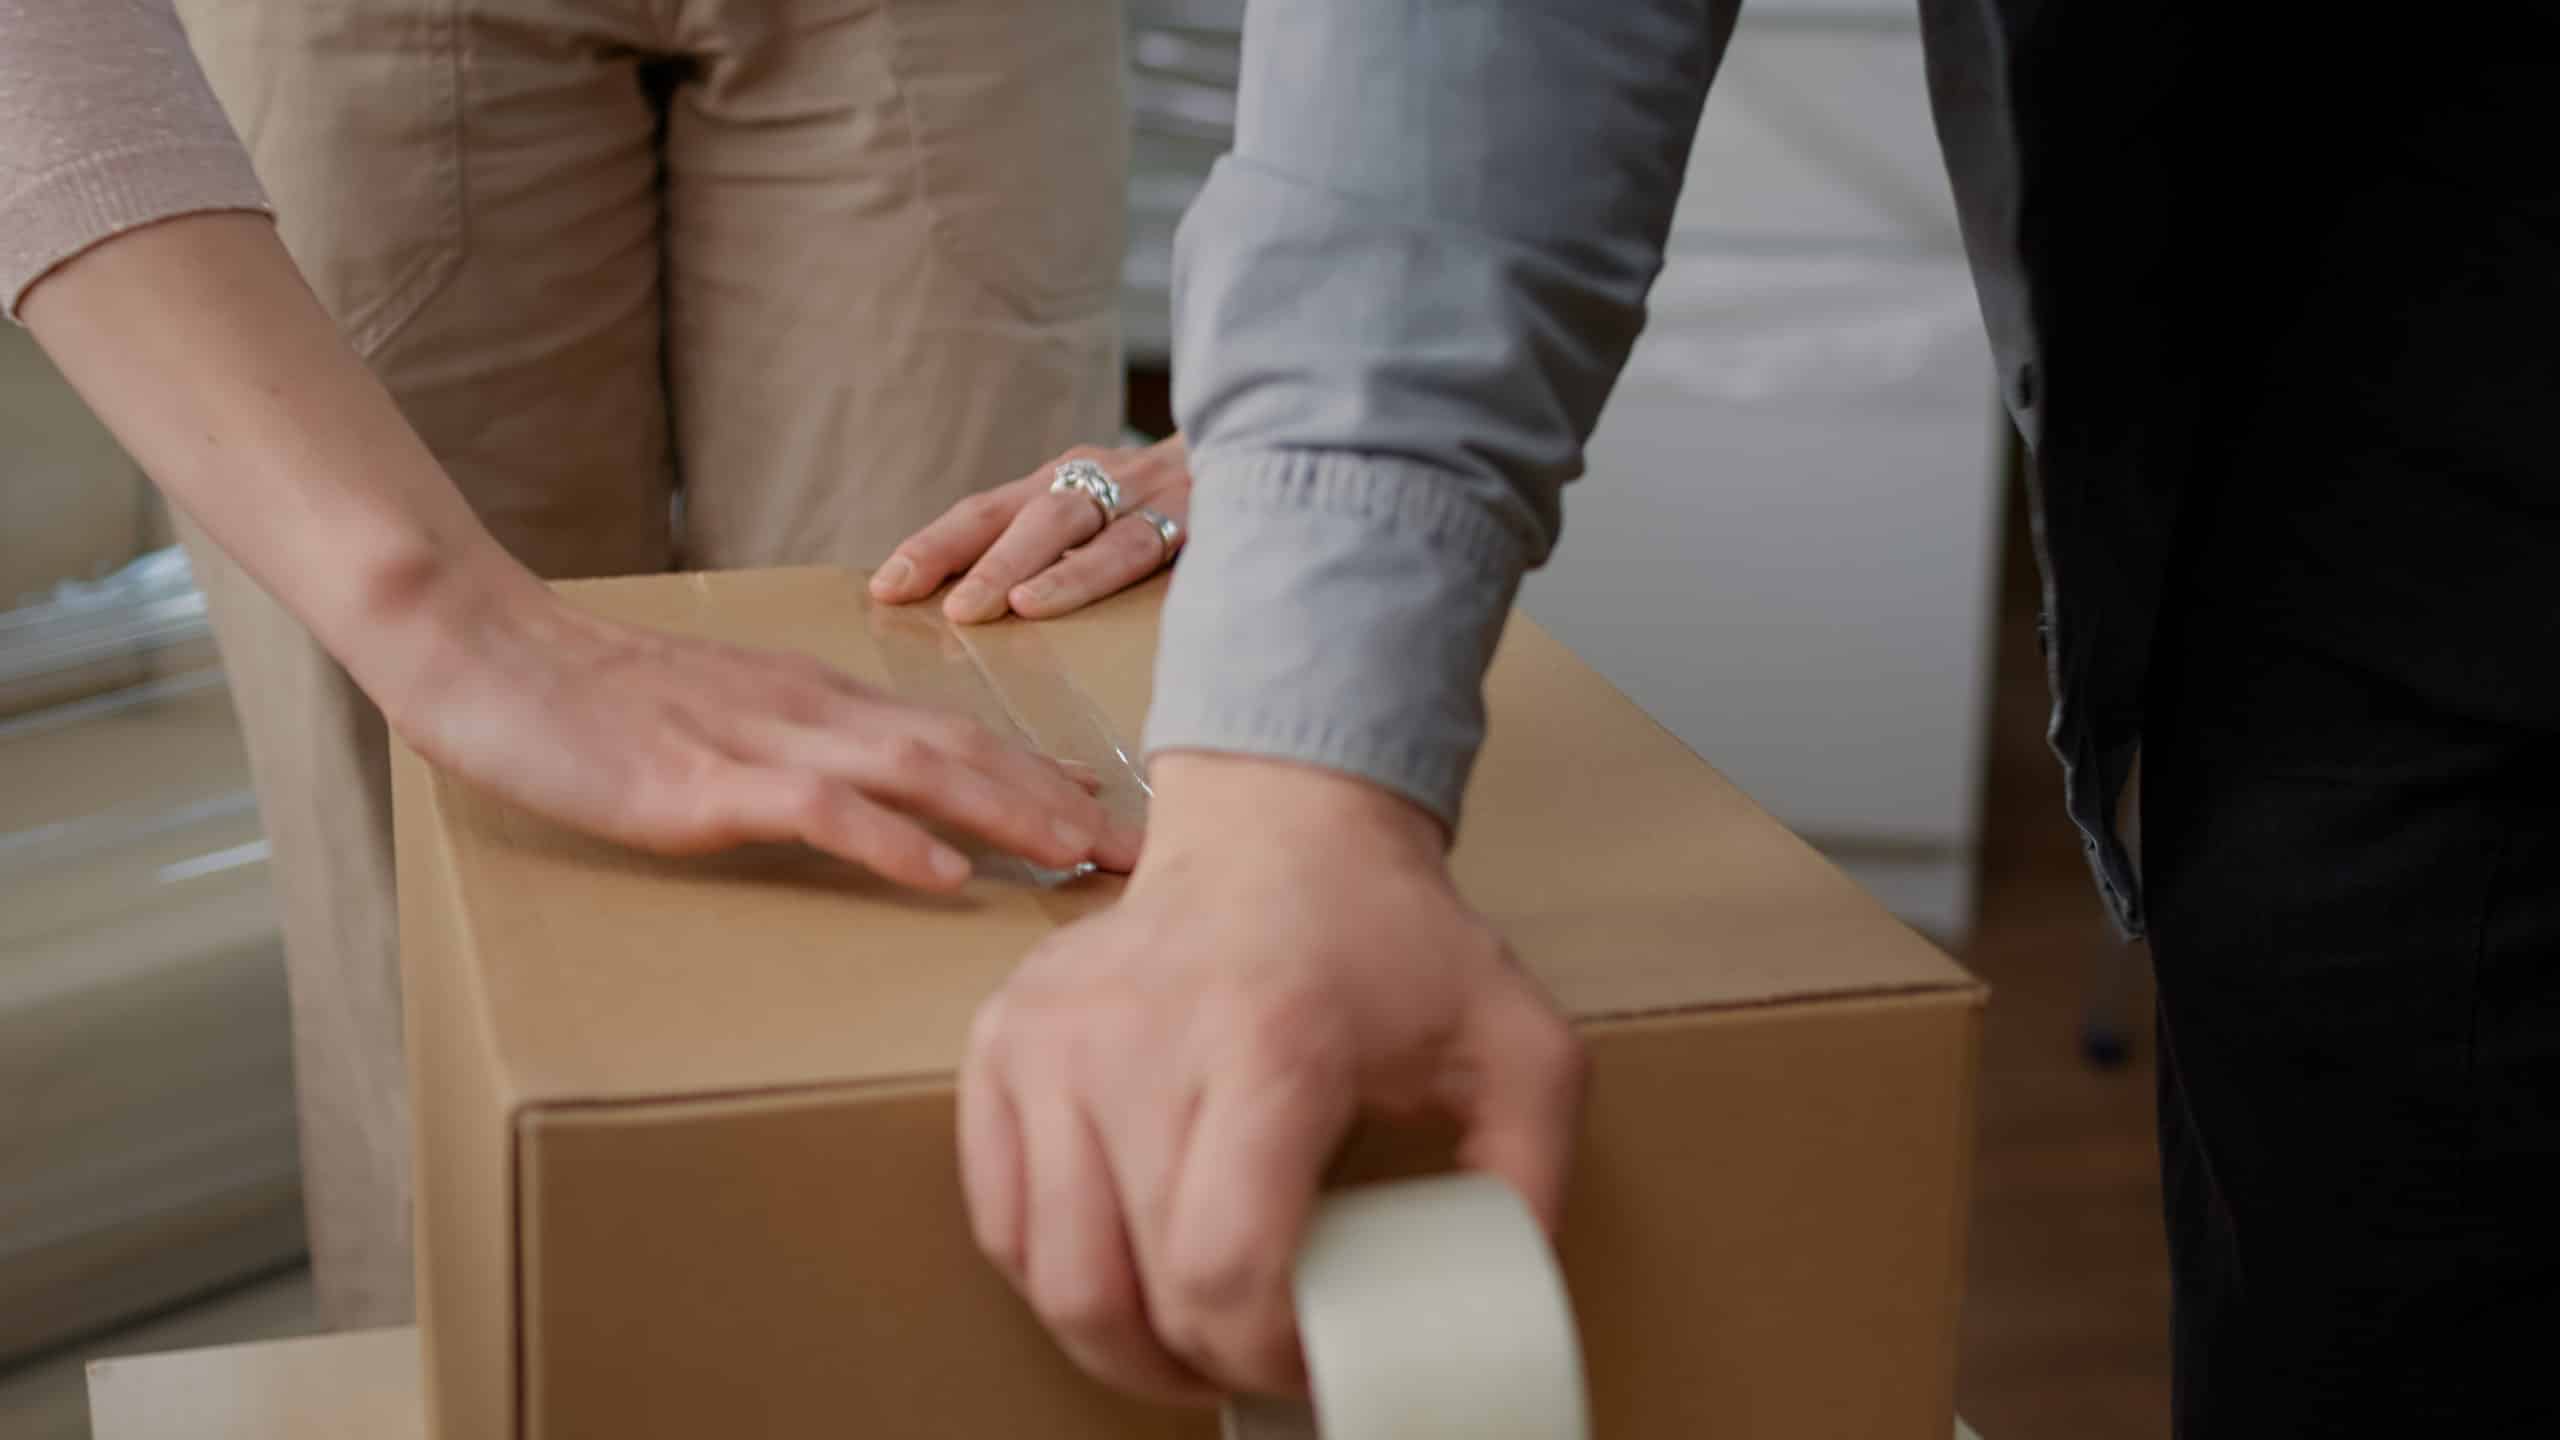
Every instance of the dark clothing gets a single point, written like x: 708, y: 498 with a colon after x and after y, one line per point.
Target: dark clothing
x: 2356, y: 924
x: 2351, y: 773
x: 2271, y: 292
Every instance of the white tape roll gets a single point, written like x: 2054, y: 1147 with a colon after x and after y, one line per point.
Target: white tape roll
x: 1429, y: 1310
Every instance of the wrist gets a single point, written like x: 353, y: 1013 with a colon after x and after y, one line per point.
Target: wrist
x: 422, y: 619
x: 1207, y: 800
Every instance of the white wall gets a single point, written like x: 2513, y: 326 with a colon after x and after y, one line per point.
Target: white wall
x: 1785, y: 547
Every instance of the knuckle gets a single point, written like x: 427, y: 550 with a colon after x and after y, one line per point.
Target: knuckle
x: 1203, y: 1287
x: 802, y: 699
x: 1293, y: 1031
x: 1559, y: 1055
x: 811, y: 803
x: 993, y: 1028
x: 1265, y: 1348
x: 1132, y: 538
x: 908, y: 755
x: 1086, y: 1305
x: 1184, y: 1330
x: 966, y: 738
x: 998, y: 1242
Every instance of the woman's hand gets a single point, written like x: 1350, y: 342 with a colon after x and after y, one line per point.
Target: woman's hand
x: 1039, y: 554
x: 196, y: 341
x: 683, y: 746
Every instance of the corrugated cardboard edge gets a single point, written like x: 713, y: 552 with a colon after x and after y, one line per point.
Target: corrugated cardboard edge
x: 470, y: 1392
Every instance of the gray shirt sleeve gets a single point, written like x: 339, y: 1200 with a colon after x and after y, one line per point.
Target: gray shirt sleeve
x: 105, y: 124
x: 1399, y: 305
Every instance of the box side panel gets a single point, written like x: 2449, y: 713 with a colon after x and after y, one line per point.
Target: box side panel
x: 1764, y: 1240
x: 459, y: 1114
x: 791, y: 1264
x: 1765, y: 1236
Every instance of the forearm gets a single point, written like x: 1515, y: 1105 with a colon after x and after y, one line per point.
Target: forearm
x: 1400, y: 306
x: 196, y: 342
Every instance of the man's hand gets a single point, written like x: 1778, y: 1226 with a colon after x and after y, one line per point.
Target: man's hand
x: 681, y: 745
x: 1149, y: 1104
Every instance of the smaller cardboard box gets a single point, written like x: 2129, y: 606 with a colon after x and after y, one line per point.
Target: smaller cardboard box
x: 362, y: 1385
x: 685, y: 1128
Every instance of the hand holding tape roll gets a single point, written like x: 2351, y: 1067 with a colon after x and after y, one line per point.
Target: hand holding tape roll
x: 1429, y: 1310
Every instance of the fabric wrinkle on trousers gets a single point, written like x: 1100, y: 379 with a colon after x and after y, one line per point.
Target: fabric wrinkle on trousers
x: 817, y: 267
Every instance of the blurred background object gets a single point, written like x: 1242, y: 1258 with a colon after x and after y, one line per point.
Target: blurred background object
x: 147, y: 1144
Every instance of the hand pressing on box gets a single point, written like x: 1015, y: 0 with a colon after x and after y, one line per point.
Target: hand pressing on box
x: 683, y: 746
x: 196, y: 341
x: 1148, y: 1106
x: 1024, y: 549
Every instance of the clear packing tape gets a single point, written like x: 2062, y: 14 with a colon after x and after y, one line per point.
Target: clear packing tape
x: 1428, y: 1310
x: 1007, y: 678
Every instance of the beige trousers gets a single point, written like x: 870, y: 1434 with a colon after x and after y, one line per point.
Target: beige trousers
x: 700, y: 283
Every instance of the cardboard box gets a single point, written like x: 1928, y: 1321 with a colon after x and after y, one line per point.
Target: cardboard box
x: 685, y: 1128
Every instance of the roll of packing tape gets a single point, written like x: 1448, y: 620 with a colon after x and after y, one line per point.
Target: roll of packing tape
x: 1429, y: 1310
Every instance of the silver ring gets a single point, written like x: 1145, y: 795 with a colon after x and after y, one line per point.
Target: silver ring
x: 1168, y: 530
x: 1091, y: 481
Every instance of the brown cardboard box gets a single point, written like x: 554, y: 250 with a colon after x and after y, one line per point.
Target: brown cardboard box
x: 685, y: 1128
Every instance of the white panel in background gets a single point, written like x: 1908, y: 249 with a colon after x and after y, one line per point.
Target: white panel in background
x: 1784, y: 549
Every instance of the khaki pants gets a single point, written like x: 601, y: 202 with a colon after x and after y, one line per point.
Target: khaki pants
x: 801, y: 272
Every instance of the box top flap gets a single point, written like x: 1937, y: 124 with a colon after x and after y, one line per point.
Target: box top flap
x: 1630, y: 877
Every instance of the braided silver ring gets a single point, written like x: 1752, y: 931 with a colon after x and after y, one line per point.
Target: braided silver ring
x: 1085, y: 478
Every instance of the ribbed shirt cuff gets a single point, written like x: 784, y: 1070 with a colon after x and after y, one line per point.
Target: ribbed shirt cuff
x: 1336, y: 610
x: 69, y: 209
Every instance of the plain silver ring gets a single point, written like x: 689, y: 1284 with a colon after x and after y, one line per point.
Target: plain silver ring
x: 1085, y: 478
x: 1168, y: 531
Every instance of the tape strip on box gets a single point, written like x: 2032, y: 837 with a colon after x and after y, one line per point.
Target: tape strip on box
x: 1007, y: 678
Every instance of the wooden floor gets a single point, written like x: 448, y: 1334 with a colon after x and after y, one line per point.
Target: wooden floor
x: 2065, y: 1322
x: 2066, y: 1313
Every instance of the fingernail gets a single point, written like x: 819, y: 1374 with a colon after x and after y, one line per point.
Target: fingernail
x: 891, y: 578
x: 949, y: 865
x: 1071, y: 835
x: 968, y: 601
x: 1035, y: 589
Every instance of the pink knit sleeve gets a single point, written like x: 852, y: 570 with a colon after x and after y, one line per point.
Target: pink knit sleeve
x: 105, y: 124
